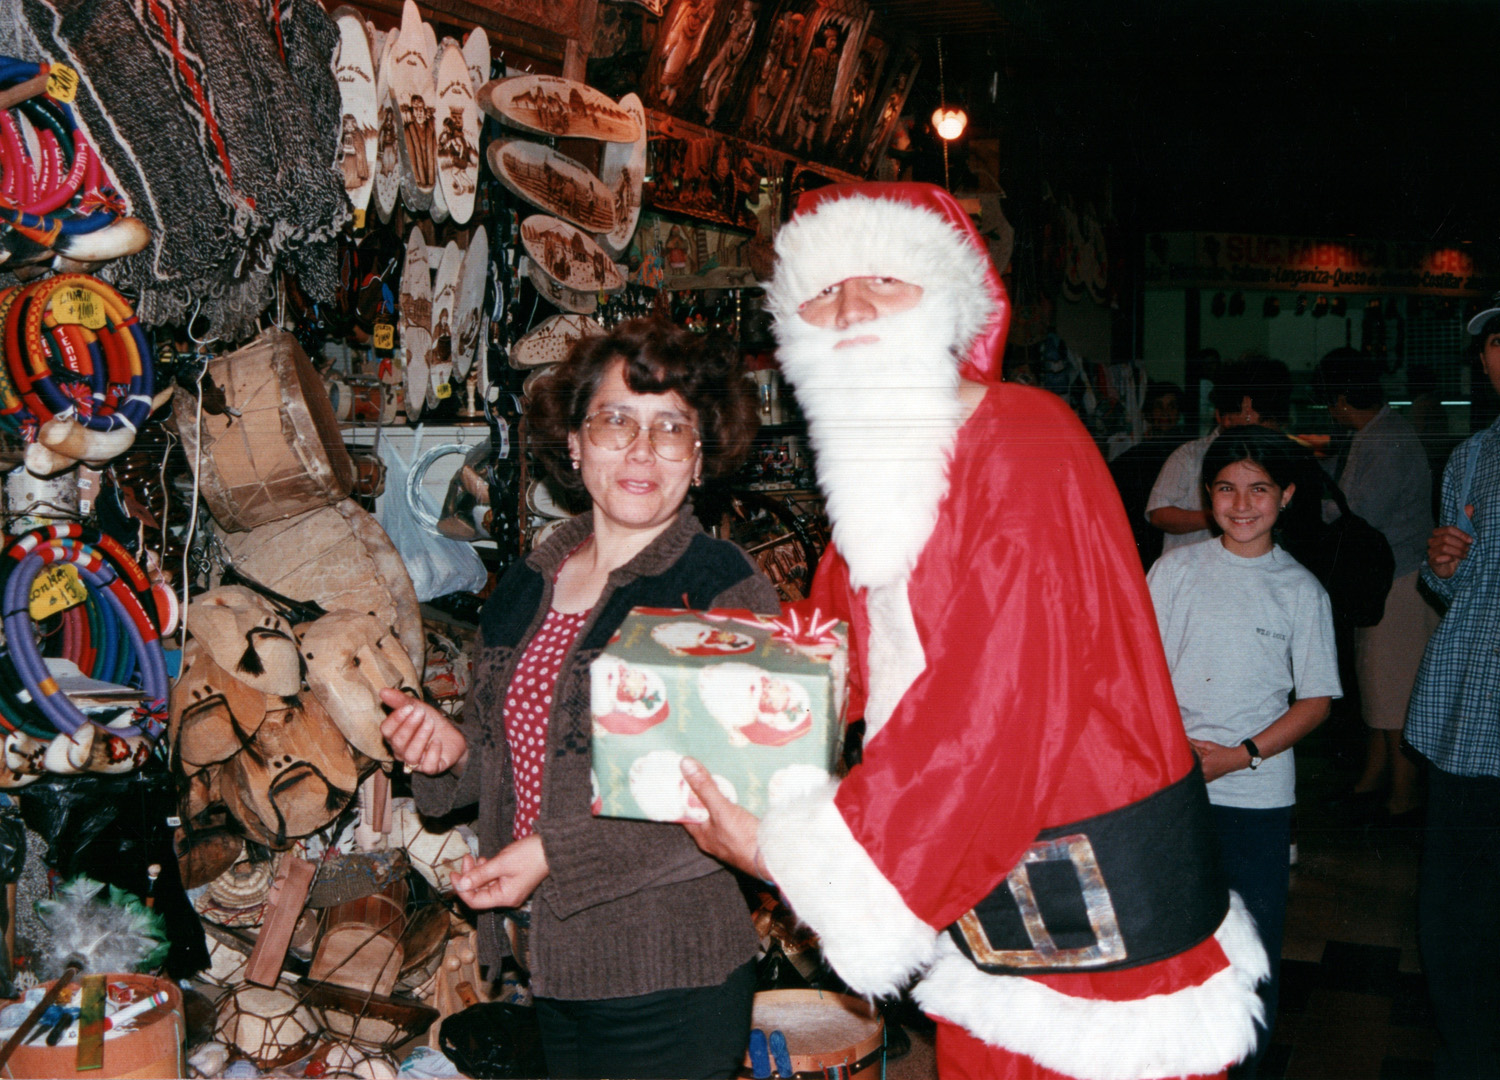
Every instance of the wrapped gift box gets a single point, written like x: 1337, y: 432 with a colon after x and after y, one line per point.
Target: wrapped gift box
x: 755, y: 699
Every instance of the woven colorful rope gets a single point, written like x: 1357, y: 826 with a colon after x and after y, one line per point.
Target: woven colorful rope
x: 31, y: 554
x: 116, y: 361
x: 64, y: 193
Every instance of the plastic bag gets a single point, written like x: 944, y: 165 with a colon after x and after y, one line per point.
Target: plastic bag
x: 12, y: 847
x: 437, y: 565
x: 494, y: 1039
x: 114, y: 828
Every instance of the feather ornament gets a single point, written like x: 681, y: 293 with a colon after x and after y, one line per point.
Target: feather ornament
x: 113, y: 931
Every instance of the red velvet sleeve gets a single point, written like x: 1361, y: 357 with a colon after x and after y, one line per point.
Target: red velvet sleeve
x: 1046, y: 696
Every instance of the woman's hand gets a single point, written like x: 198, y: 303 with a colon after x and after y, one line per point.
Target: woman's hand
x: 1219, y: 759
x: 424, y: 739
x: 506, y: 879
x: 729, y: 834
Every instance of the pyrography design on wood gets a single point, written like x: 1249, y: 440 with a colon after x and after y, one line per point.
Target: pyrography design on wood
x: 550, y: 342
x: 416, y: 94
x: 469, y: 301
x: 388, y: 136
x: 580, y: 303
x: 458, y: 137
x: 355, y: 71
x: 554, y: 182
x: 557, y: 106
x: 416, y: 285
x: 477, y: 58
x: 622, y: 169
x: 568, y: 256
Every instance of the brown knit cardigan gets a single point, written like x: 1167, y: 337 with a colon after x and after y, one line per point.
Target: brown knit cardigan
x: 628, y: 907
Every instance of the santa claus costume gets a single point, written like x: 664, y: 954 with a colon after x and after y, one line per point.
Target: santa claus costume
x: 1027, y: 835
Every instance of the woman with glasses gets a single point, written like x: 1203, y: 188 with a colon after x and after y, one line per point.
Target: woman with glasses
x: 640, y: 947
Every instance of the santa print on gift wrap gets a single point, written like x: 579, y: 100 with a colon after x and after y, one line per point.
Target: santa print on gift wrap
x: 661, y: 791
x: 695, y: 639
x: 755, y: 706
x: 627, y: 700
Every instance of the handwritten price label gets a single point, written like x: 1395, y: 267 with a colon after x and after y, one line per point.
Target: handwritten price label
x: 55, y: 590
x: 385, y: 336
x: 78, y: 307
x: 62, y: 83
x: 443, y: 390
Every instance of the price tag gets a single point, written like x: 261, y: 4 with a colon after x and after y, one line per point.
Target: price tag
x: 62, y: 83
x: 78, y: 307
x: 56, y: 589
x: 359, y: 217
x: 443, y: 390
x: 385, y: 335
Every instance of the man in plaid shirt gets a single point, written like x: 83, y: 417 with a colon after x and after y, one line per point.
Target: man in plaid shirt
x: 1454, y: 722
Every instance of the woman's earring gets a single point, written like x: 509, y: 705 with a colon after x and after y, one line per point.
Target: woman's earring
x: 575, y: 464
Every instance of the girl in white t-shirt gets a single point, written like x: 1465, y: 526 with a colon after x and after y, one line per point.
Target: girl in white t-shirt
x: 1248, y: 633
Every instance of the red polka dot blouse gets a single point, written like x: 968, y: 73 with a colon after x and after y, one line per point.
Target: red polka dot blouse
x: 527, y: 704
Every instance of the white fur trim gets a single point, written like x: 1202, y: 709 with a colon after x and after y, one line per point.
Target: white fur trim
x: 1198, y: 1030
x: 861, y: 236
x: 895, y: 651
x: 868, y: 934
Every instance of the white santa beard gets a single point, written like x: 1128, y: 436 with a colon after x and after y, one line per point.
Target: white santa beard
x: 882, y: 419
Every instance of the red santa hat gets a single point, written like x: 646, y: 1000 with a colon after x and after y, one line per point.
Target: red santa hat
x: 915, y: 232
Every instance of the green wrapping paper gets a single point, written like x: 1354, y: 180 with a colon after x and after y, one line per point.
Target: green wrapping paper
x: 756, y: 700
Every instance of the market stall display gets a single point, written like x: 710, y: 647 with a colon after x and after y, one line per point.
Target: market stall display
x: 321, y: 227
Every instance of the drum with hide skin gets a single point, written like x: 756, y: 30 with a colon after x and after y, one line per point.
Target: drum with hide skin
x: 360, y: 944
x: 338, y: 557
x: 824, y: 1031
x: 270, y: 446
x: 270, y: 1027
x: 367, y: 1019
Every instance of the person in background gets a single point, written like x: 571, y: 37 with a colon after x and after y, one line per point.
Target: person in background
x: 1453, y: 722
x: 1254, y: 390
x: 641, y: 948
x: 1384, y: 475
x: 1135, y: 470
x: 1246, y: 628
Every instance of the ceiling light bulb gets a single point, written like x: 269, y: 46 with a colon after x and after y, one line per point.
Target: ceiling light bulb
x: 950, y: 123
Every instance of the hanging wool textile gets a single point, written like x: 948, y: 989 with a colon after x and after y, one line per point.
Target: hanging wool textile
x: 218, y: 120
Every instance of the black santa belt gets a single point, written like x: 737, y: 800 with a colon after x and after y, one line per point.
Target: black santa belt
x: 1126, y: 888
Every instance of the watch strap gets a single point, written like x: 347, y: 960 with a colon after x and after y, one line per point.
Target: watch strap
x: 1255, y: 754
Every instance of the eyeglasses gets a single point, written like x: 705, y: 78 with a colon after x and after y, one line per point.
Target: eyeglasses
x: 672, y: 440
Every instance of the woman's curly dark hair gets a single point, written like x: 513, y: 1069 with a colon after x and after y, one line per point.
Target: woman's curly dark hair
x: 705, y: 371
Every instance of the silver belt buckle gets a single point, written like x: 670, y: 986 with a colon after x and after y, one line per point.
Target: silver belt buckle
x: 1108, y: 947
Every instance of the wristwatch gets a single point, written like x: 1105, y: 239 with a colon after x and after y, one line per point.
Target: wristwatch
x: 1255, y: 758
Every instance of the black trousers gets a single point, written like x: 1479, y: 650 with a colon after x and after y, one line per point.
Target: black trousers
x: 1255, y: 847
x: 1458, y: 911
x: 697, y: 1032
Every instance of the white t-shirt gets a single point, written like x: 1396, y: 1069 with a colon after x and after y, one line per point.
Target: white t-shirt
x: 1240, y: 636
x: 1180, y: 484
